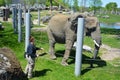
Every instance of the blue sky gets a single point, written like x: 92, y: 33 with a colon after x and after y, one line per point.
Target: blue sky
x: 107, y: 1
x: 104, y: 2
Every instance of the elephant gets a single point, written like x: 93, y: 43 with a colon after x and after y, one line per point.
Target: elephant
x: 63, y: 29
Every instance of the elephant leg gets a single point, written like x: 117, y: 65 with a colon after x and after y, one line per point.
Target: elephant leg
x: 51, y: 49
x: 51, y: 44
x: 69, y: 44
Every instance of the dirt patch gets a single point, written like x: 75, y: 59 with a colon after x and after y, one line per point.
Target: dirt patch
x: 10, y: 68
x: 109, y: 53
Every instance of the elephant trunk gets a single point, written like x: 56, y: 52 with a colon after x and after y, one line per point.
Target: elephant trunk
x: 95, y: 52
x: 96, y: 49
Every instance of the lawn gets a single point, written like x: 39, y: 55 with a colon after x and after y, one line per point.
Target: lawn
x: 47, y: 69
x: 112, y: 18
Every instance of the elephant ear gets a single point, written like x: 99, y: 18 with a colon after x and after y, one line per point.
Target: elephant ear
x: 91, y: 22
x: 74, y: 17
x: 74, y: 20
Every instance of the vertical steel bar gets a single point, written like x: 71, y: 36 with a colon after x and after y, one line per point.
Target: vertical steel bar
x: 80, y: 35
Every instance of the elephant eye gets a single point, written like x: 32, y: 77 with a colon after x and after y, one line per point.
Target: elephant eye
x: 74, y: 21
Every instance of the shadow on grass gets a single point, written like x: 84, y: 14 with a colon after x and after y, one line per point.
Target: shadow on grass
x: 42, y: 54
x: 41, y: 73
x: 93, y: 63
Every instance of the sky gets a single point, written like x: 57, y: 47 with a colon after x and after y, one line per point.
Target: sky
x: 104, y: 2
x: 108, y: 1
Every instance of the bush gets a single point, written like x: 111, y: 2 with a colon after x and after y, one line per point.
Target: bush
x: 110, y: 31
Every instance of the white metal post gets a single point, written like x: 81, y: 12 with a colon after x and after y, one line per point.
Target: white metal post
x: 19, y: 24
x: 78, y: 57
x: 14, y: 18
x: 27, y: 31
x: 38, y: 16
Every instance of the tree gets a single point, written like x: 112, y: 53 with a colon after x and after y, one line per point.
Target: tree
x: 112, y: 6
x: 95, y: 4
x: 2, y: 2
x: 83, y: 5
x: 29, y: 3
x: 50, y: 5
x: 76, y: 5
x: 7, y: 2
x: 39, y: 2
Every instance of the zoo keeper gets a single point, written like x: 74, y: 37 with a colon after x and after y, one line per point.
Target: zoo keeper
x: 30, y: 57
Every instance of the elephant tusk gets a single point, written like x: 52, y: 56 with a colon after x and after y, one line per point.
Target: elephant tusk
x: 96, y: 43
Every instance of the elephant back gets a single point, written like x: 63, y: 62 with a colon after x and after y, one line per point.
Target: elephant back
x: 58, y: 22
x: 59, y: 18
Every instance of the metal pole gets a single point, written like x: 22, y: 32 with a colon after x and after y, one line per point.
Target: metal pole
x: 78, y: 58
x: 27, y: 31
x: 24, y: 14
x: 14, y: 18
x: 38, y: 6
x: 19, y: 24
x: 29, y: 10
x: 38, y: 16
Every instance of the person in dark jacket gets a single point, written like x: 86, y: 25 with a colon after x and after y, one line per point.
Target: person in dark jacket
x: 30, y: 56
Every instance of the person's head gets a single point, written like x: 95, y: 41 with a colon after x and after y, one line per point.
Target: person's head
x: 31, y: 39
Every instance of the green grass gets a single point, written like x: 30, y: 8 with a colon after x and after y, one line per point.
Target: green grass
x: 47, y: 69
x: 113, y: 42
x: 111, y: 37
x: 112, y: 18
x: 110, y: 31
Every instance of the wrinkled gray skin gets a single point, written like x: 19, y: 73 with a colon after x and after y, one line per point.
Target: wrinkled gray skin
x: 63, y: 29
